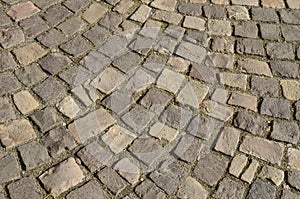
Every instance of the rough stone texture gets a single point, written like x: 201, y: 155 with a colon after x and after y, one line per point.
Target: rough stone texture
x: 91, y: 125
x: 33, y: 26
x: 77, y: 46
x: 62, y: 177
x: 275, y: 107
x: 238, y: 164
x: 273, y: 3
x: 243, y: 100
x: 264, y: 14
x: 55, y: 14
x: 11, y: 37
x: 25, y: 102
x: 219, y: 27
x: 162, y: 131
x: 273, y: 174
x: 190, y: 9
x: 170, y: 80
x: 24, y: 188
x: 234, y: 80
x: 285, y: 131
x: 250, y: 46
x: 250, y: 122
x: 210, y: 168
x: 246, y: 29
x: 291, y: 89
x: 280, y: 51
x: 30, y: 75
x: 228, y: 141
x: 8, y: 83
x: 128, y: 170
x: 7, y: 61
x: 94, y: 12
x: 22, y: 11
x: 9, y: 169
x: 54, y: 62
x: 269, y: 31
x: 287, y: 194
x: 33, y: 154
x: 238, y: 12
x: 68, y: 107
x: 264, y: 87
x: 91, y: 189
x: 267, y: 150
x: 141, y: 14
x: 294, y: 178
x: 52, y: 38
x: 29, y: 53
x: 148, y: 189
x: 255, y: 67
x: 260, y: 188
x: 16, y: 132
x: 7, y: 111
x: 249, y: 174
x: 192, y: 189
x: 229, y: 188
x: 222, y: 60
x: 46, y: 118
x: 285, y: 69
x: 191, y: 51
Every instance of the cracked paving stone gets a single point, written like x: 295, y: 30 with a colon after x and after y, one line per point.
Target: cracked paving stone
x: 29, y: 53
x: 188, y: 148
x: 30, y: 75
x: 118, y: 101
x: 128, y: 170
x: 46, y: 118
x: 285, y: 131
x: 238, y: 164
x: 25, y: 102
x: 95, y: 156
x: 260, y: 188
x: 62, y: 177
x: 91, y: 125
x: 118, y: 138
x: 112, y: 180
x: 25, y: 188
x: 95, y: 62
x: 264, y: 149
x: 249, y: 174
x: 92, y: 189
x: 229, y: 188
x: 58, y: 141
x: 68, y: 107
x: 138, y: 118
x: 169, y: 176
x: 146, y: 149
x: 250, y: 122
x: 33, y: 154
x: 275, y: 107
x: 49, y: 90
x: 75, y: 75
x: 7, y: 111
x: 147, y: 189
x: 54, y: 62
x: 16, y: 132
x: 273, y: 174
x: 9, y: 169
x: 76, y: 46
x: 23, y: 10
x: 210, y: 168
x: 191, y: 188
x: 11, y: 37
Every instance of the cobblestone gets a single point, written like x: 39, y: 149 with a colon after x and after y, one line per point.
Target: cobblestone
x: 29, y: 53
x: 26, y: 187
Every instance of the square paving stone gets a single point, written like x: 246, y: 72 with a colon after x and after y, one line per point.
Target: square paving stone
x: 142, y: 45
x: 25, y: 188
x: 49, y: 90
x: 265, y: 87
x: 260, y: 188
x: 229, y: 188
x: 8, y: 83
x: 30, y: 75
x: 285, y: 131
x: 54, y: 62
x: 254, y: 124
x: 92, y: 124
x: 94, y: 12
x: 25, y: 102
x: 163, y: 132
x: 118, y: 138
x: 290, y: 16
x: 71, y: 26
x: 155, y: 62
x: 4, y: 19
x: 95, y: 156
x: 170, y: 80
x: 9, y: 169
x: 22, y: 10
x: 169, y: 176
x: 97, y: 35
x: 287, y: 194
x: 211, y: 168
x: 127, y: 62
x: 112, y: 180
x: 95, y: 62
x: 250, y: 46
x: 111, y: 21
x: 44, y: 3
x: 147, y: 189
x: 46, y: 118
x: 118, y: 101
x: 139, y: 81
x: 204, y: 73
x: 137, y: 118
x: 76, y: 46
x: 92, y: 189
x: 285, y: 69
x: 275, y: 107
x: 128, y: 170
x: 58, y: 141
x: 75, y: 75
x: 16, y: 132
x: 146, y: 149
x: 176, y: 116
x: 33, y: 26
x: 191, y: 51
x: 29, y: 53
x: 76, y: 5
x: 7, y: 111
x: 228, y: 141
x: 33, y: 154
x: 280, y: 51
x: 52, y: 38
x: 55, y: 14
x: 62, y: 177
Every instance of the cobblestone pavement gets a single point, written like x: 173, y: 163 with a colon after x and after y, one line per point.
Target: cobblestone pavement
x: 149, y: 99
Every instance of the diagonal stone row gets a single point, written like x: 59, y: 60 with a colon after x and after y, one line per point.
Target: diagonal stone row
x: 149, y: 99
